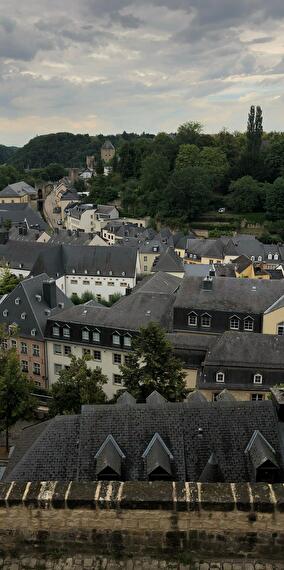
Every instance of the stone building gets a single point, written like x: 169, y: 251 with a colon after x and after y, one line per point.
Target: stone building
x: 107, y: 152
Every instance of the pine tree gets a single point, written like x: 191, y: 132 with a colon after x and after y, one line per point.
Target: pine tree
x: 153, y: 366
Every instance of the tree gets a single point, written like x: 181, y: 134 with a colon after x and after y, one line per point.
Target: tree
x: 251, y: 157
x: 153, y: 366
x: 16, y: 401
x: 77, y: 385
x: 8, y: 281
x: 211, y: 159
x: 127, y: 160
x: 245, y: 195
x: 154, y: 179
x: 189, y: 133
x: 275, y: 199
x: 99, y: 166
x: 188, y: 155
x: 188, y: 193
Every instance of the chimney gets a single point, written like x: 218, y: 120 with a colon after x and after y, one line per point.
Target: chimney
x: 207, y: 283
x: 49, y: 293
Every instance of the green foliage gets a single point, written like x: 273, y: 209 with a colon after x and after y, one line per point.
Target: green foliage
x: 154, y: 178
x: 187, y: 194
x: 103, y: 189
x: 8, y: 281
x: 16, y: 401
x: 275, y: 199
x: 86, y: 296
x: 77, y: 385
x: 211, y: 160
x: 189, y: 133
x: 152, y: 366
x: 8, y: 175
x: 6, y: 153
x: 245, y: 195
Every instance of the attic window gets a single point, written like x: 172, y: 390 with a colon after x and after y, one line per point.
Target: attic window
x: 5, y: 313
x: 66, y: 331
x: 123, y: 274
x: 192, y: 319
x: 116, y: 339
x: 85, y: 334
x: 259, y: 258
x: 248, y: 324
x: 73, y: 271
x: 206, y: 320
x: 33, y: 332
x: 55, y: 330
x: 21, y: 265
x: 17, y: 301
x: 86, y: 271
x: 269, y: 256
x: 276, y: 256
x: 109, y: 460
x: 234, y: 323
x: 98, y: 272
x: 220, y: 377
x: 38, y: 298
x: 158, y: 457
x: 23, y: 316
x: 127, y: 341
x: 257, y: 379
x: 252, y: 258
x: 280, y: 329
x: 262, y: 457
x: 96, y: 336
x: 110, y: 272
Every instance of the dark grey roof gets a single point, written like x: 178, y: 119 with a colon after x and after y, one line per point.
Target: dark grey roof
x: 275, y: 306
x: 157, y: 457
x: 66, y: 447
x: 109, y: 458
x: 108, y: 145
x: 196, y: 397
x: 227, y: 294
x: 241, y: 263
x: 28, y: 308
x: 19, y: 213
x: 126, y: 399
x: 29, y: 235
x: 260, y: 451
x: 225, y: 270
x: 68, y: 237
x: 225, y: 396
x: 192, y: 340
x: 198, y: 269
x: 21, y: 255
x: 18, y: 189
x: 212, y: 472
x: 168, y: 262
x: 70, y: 194
x: 248, y: 350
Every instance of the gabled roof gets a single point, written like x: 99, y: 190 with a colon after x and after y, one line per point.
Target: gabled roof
x: 18, y: 189
x: 109, y: 458
x: 241, y: 263
x: 225, y: 396
x: 211, y: 472
x: 157, y: 456
x: 260, y: 451
x: 196, y: 397
x: 19, y: 213
x: 169, y: 262
x: 108, y: 145
x: 21, y: 255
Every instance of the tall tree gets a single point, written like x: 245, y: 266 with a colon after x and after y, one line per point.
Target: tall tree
x: 154, y: 178
x: 77, y: 385
x: 153, y: 366
x: 275, y: 199
x: 8, y: 281
x: 189, y: 133
x: 251, y: 157
x: 188, y: 193
x: 16, y: 401
x: 245, y: 195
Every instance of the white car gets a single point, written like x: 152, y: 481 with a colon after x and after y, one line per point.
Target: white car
x: 222, y: 210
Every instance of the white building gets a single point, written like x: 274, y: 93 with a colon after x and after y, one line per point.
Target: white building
x: 90, y: 218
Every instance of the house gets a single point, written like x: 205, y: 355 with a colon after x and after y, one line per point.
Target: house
x: 191, y: 349
x: 66, y: 200
x: 105, y: 333
x: 214, y: 305
x: 18, y: 193
x: 27, y: 309
x: 27, y: 234
x: 89, y: 218
x: 107, y: 151
x: 157, y: 440
x: 243, y: 267
x: 246, y: 364
x: 169, y: 262
x: 19, y: 214
x: 20, y: 256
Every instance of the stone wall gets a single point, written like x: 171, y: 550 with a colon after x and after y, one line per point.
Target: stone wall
x: 163, y: 519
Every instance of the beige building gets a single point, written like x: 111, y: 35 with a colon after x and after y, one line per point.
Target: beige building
x: 273, y: 318
x: 89, y: 218
x: 107, y: 152
x: 19, y: 193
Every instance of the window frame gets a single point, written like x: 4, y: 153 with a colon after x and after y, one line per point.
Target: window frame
x: 209, y: 318
x: 192, y: 314
x: 220, y: 373
x: 232, y: 319
x: 251, y: 321
x: 257, y: 375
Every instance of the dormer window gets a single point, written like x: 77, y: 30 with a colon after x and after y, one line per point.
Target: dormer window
x: 158, y: 458
x: 109, y: 460
x: 5, y: 313
x: 110, y: 272
x: 257, y: 379
x: 269, y: 256
x: 33, y: 332
x: 123, y: 274
x: 17, y: 301
x: 127, y: 341
x: 206, y: 320
x: 21, y: 265
x: 248, y: 324
x: 96, y: 336
x: 234, y: 323
x: 220, y: 377
x: 73, y: 271
x: 116, y: 339
x: 252, y: 258
x: 86, y: 271
x: 192, y: 319
x: 23, y: 316
x: 85, y: 334
x: 55, y: 330
x: 98, y: 272
x: 66, y: 331
x: 276, y: 256
x: 38, y: 298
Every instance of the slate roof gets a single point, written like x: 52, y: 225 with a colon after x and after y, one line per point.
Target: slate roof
x: 241, y: 263
x: 19, y: 213
x: 168, y: 262
x: 228, y: 294
x: 21, y: 255
x: 108, y: 145
x: 31, y: 235
x: 18, y: 189
x: 152, y: 301
x: 34, y: 308
x: 190, y: 340
x: 248, y: 350
x: 65, y: 447
x: 198, y: 269
x: 70, y: 194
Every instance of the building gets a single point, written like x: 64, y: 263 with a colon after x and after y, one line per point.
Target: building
x: 106, y: 333
x: 20, y: 256
x: 248, y: 365
x: 107, y: 152
x: 19, y: 193
x: 169, y: 262
x: 89, y: 218
x: 157, y: 440
x: 66, y: 200
x: 214, y: 305
x: 27, y: 309
x: 19, y: 214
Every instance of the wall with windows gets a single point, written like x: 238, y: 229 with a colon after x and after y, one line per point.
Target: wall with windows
x: 31, y: 353
x: 241, y: 395
x: 207, y: 321
x: 101, y: 286
x: 273, y: 323
x: 240, y: 378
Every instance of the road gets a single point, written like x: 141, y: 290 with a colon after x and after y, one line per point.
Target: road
x: 48, y: 207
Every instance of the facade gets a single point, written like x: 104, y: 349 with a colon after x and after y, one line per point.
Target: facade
x: 248, y: 365
x: 105, y: 334
x: 214, y: 305
x: 19, y: 193
x: 89, y: 218
x: 107, y: 152
x: 26, y: 310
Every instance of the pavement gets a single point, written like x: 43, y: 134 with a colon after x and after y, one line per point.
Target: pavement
x: 48, y: 207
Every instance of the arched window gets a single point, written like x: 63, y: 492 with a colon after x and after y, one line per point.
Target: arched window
x: 269, y: 256
x: 220, y: 377
x: 257, y: 379
x: 276, y: 256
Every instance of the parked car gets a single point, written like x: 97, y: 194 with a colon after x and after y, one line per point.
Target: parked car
x: 222, y: 210
x: 59, y: 222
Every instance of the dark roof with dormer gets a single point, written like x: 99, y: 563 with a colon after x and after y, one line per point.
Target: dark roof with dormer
x: 168, y: 262
x: 65, y: 447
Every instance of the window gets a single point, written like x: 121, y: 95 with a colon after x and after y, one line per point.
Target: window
x: 97, y: 355
x: 257, y: 379
x: 24, y: 366
x: 234, y: 323
x: 56, y: 349
x: 116, y: 339
x: 98, y: 283
x: 17, y: 301
x: 57, y: 368
x: 127, y: 360
x: 206, y: 321
x: 248, y: 324
x: 85, y: 334
x: 66, y: 332
x: 280, y: 329
x: 67, y: 350
x: 127, y: 340
x: 117, y: 379
x: 13, y: 344
x: 252, y: 258
x: 35, y: 350
x: 220, y: 377
x: 74, y: 281
x: 36, y: 368
x: 145, y: 258
x: 23, y: 316
x: 269, y: 256
x: 276, y: 256
x: 256, y: 397
x: 145, y: 268
x: 259, y: 258
x: 24, y: 348
x: 117, y: 358
x: 4, y: 343
x: 215, y: 396
x: 96, y: 336
x: 123, y: 284
x: 99, y: 297
x: 55, y: 330
x: 192, y: 319
x: 86, y: 282
x: 86, y: 352
x: 110, y: 283
x: 5, y: 313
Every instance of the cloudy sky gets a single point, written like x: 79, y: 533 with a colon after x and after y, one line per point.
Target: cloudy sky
x: 106, y: 66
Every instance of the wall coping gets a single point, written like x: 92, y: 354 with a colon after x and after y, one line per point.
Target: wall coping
x: 134, y: 495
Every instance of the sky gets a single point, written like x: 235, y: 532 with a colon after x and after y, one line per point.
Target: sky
x: 105, y: 66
